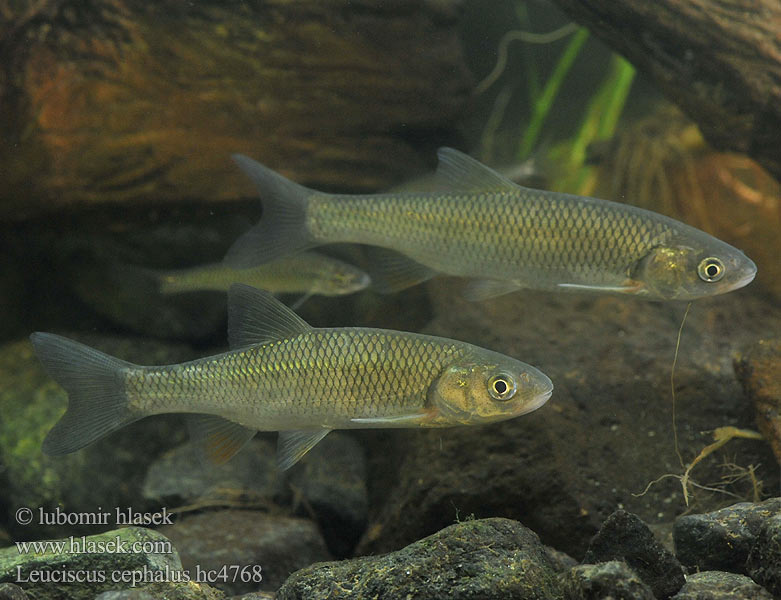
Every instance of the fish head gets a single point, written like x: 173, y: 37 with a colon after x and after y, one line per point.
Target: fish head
x: 690, y: 269
x: 471, y: 392
x: 344, y: 279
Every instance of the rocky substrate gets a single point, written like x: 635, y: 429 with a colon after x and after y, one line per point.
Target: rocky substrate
x: 484, y: 558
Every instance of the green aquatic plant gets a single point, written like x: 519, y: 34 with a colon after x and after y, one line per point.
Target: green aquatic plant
x: 601, y: 115
x: 599, y: 122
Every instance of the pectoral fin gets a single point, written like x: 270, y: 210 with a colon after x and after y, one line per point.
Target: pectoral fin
x: 394, y: 421
x: 628, y: 287
x: 292, y: 445
x: 216, y: 438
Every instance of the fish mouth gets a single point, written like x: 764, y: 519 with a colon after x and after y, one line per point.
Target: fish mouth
x: 745, y: 280
x: 536, y: 402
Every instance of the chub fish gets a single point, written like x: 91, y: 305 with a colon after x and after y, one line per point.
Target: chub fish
x: 284, y: 375
x: 305, y: 272
x: 502, y: 236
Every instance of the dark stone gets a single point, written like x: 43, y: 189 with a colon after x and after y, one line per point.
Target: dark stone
x: 561, y: 560
x: 612, y: 579
x: 9, y: 591
x: 603, y: 436
x: 108, y: 473
x: 331, y: 483
x: 624, y: 537
x: 491, y: 559
x: 258, y: 549
x: 42, y: 574
x: 722, y: 540
x: 181, y: 477
x: 764, y: 560
x: 254, y: 596
x: 717, y: 585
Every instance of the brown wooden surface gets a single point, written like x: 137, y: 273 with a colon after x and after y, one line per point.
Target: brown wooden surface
x: 720, y: 60
x: 127, y: 101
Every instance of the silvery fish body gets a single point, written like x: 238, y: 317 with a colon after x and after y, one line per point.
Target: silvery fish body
x: 503, y: 236
x: 306, y: 272
x: 284, y: 375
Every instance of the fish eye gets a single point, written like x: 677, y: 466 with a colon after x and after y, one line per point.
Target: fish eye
x: 710, y: 269
x: 501, y: 386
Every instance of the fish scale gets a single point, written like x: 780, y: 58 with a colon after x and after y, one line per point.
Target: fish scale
x: 523, y: 231
x: 323, y: 374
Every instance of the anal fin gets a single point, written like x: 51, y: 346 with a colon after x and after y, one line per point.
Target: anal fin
x: 217, y: 439
x: 292, y: 445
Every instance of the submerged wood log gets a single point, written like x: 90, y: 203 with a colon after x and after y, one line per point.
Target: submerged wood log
x: 720, y: 60
x: 120, y: 101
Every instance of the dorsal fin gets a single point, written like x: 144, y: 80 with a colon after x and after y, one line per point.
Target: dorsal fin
x: 458, y: 171
x: 255, y: 316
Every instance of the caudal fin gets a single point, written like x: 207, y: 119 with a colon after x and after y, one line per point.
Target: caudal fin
x: 282, y: 228
x: 97, y: 403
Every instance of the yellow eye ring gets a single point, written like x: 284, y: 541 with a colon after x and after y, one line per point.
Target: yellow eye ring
x: 710, y: 269
x: 502, y: 386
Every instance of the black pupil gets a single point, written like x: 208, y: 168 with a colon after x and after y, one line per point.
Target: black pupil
x: 500, y: 386
x: 712, y: 270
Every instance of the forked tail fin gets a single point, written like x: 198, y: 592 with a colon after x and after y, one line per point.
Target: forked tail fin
x: 97, y: 403
x: 282, y: 228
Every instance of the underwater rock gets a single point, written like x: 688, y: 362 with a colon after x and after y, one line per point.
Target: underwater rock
x: 106, y: 474
x: 266, y: 548
x: 764, y: 560
x: 254, y: 596
x: 613, y: 579
x: 722, y: 540
x: 167, y: 590
x: 9, y: 591
x: 624, y: 537
x: 331, y: 483
x: 328, y: 485
x: 493, y: 559
x: 331, y: 93
x: 604, y: 435
x: 180, y: 476
x: 82, y: 567
x: 759, y: 370
x: 717, y: 585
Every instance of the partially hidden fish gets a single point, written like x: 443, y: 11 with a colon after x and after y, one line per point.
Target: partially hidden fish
x: 502, y: 236
x: 284, y: 375
x: 305, y: 272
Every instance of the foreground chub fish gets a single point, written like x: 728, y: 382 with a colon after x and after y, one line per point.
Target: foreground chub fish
x: 283, y: 375
x: 503, y: 236
x: 306, y: 272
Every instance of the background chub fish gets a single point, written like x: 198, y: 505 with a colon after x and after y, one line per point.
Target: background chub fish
x: 503, y: 236
x: 305, y: 272
x: 283, y: 375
